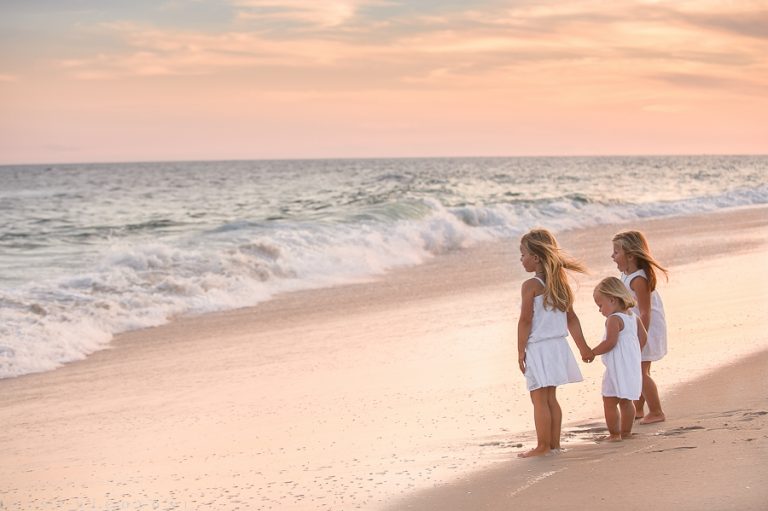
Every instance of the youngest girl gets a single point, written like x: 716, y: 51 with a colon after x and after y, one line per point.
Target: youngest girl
x: 624, y: 339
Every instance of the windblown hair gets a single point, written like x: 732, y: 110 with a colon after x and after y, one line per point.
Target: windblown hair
x: 611, y: 286
x: 634, y: 243
x: 557, y: 292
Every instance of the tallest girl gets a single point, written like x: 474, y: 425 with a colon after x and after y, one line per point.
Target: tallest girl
x: 638, y: 272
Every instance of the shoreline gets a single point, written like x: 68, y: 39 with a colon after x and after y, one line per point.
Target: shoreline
x: 382, y: 289
x: 405, y: 380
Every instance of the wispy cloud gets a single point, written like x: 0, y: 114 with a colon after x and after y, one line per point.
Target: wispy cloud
x: 329, y: 13
x: 420, y: 46
x: 339, y: 27
x: 709, y: 82
x: 741, y: 23
x: 162, y: 52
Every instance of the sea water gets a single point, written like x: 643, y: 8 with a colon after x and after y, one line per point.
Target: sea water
x: 91, y: 250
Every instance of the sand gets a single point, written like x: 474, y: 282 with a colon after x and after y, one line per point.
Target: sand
x: 402, y: 393
x: 712, y: 454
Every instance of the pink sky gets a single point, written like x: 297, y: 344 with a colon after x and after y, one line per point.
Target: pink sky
x: 246, y: 79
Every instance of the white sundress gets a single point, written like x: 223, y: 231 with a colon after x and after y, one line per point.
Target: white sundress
x: 549, y: 361
x: 656, y: 347
x: 623, y: 377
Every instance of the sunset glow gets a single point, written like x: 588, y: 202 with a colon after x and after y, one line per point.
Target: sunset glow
x: 240, y: 79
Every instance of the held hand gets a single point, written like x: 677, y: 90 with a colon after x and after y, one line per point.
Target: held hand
x: 587, y: 355
x: 521, y: 362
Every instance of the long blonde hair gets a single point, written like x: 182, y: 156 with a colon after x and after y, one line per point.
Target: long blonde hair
x: 634, y: 243
x: 611, y: 286
x: 557, y: 291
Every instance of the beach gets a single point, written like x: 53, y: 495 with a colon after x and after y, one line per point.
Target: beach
x: 402, y: 392
x: 710, y: 455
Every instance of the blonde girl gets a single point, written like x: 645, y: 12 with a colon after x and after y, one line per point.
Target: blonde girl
x: 546, y: 317
x: 638, y: 273
x: 624, y: 338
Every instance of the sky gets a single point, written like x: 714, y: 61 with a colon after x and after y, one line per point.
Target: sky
x: 156, y: 80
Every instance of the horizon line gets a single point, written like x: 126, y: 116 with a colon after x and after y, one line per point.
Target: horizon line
x: 332, y: 158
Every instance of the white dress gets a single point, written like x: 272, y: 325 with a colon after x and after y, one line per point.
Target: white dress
x: 656, y: 347
x: 549, y: 361
x: 623, y: 376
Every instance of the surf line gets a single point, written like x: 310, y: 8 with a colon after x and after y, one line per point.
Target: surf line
x: 534, y: 480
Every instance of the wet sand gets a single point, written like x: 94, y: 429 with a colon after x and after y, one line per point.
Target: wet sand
x: 712, y: 453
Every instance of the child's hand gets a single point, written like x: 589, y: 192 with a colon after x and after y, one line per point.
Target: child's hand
x: 587, y: 355
x: 521, y: 362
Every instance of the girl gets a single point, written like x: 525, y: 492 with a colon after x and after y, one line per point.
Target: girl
x: 638, y: 272
x: 546, y: 317
x: 624, y: 338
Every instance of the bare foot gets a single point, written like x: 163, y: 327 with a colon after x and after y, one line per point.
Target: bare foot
x: 627, y: 436
x: 651, y: 418
x: 609, y: 438
x: 535, y: 452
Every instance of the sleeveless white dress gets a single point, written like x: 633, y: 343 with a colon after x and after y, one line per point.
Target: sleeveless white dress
x: 549, y: 361
x: 656, y: 347
x: 623, y: 376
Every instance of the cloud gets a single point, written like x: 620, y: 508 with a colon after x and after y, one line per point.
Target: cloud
x: 703, y: 81
x: 344, y: 44
x: 748, y: 24
x: 165, y: 52
x: 722, y: 57
x: 328, y: 13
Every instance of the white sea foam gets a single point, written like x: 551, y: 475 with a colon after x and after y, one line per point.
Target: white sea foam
x: 130, y: 283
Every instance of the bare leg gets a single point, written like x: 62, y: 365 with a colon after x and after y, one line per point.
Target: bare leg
x: 612, y: 418
x: 651, y: 395
x: 542, y: 418
x: 639, y: 405
x: 556, y: 415
x: 627, y: 408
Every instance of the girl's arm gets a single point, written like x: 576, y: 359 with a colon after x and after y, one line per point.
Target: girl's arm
x: 525, y: 322
x: 642, y: 334
x: 640, y: 286
x: 613, y: 325
x: 574, y: 327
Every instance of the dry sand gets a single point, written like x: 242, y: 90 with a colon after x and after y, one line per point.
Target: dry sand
x: 380, y: 394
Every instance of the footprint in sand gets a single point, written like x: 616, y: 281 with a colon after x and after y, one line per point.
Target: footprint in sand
x: 753, y: 415
x: 682, y: 447
x: 679, y: 431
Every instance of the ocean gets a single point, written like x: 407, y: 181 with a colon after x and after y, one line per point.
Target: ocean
x: 91, y: 250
